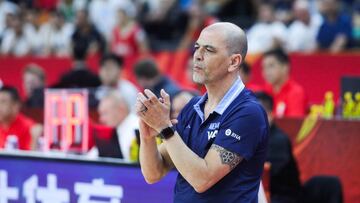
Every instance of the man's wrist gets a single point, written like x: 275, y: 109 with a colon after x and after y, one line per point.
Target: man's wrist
x: 167, y: 132
x: 162, y: 127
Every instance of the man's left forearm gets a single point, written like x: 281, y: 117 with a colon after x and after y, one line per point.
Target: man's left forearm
x: 192, y: 167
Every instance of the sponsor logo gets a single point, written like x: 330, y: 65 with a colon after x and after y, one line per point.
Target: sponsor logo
x: 214, y: 126
x: 212, y: 134
x: 228, y: 132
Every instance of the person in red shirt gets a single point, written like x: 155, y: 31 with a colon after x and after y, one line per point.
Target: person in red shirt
x: 128, y: 39
x: 12, y: 122
x: 289, y: 96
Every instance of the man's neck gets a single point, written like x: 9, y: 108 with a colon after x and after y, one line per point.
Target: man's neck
x: 7, y: 122
x: 216, y: 91
x: 277, y: 86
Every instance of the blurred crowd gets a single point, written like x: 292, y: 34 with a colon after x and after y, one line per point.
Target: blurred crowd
x: 117, y: 29
x: 133, y: 27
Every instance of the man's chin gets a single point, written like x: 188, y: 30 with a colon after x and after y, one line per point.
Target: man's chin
x: 197, y: 80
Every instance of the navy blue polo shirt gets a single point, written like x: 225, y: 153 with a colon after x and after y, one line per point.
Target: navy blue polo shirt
x: 238, y: 124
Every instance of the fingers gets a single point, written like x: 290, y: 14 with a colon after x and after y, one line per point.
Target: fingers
x: 152, y: 97
x: 165, y: 96
x: 141, y: 97
x: 139, y: 106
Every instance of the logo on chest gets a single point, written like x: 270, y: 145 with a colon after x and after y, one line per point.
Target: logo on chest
x: 212, y: 134
x: 213, y: 130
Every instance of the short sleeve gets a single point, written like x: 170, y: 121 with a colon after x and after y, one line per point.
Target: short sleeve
x: 243, y: 130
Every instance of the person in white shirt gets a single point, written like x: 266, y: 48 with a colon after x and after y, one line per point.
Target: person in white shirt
x: 15, y: 42
x: 56, y: 35
x: 266, y: 33
x: 302, y: 32
x: 111, y: 78
x: 115, y: 112
x: 103, y: 13
x: 6, y: 8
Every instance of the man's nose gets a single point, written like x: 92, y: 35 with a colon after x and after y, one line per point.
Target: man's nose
x: 198, y: 55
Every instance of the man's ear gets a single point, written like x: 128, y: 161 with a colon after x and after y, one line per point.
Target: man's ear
x: 235, y: 62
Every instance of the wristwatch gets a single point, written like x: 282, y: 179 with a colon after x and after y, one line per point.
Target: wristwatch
x: 167, y: 132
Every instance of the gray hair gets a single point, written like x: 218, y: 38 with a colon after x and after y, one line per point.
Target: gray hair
x: 235, y: 37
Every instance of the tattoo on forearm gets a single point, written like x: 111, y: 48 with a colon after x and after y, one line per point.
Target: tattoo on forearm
x: 227, y: 157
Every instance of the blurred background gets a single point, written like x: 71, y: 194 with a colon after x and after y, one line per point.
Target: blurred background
x: 70, y: 71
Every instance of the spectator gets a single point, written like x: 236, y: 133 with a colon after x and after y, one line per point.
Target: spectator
x: 56, y: 35
x: 179, y: 101
x: 302, y: 32
x: 33, y: 32
x: 165, y: 24
x: 266, y: 33
x: 33, y: 84
x: 285, y: 186
x: 128, y: 38
x: 6, y: 8
x: 80, y: 76
x: 149, y: 77
x: 245, y: 75
x: 15, y: 41
x: 335, y: 31
x: 289, y: 96
x: 198, y: 19
x: 356, y: 26
x: 86, y: 37
x: 13, y: 123
x: 7, y: 26
x: 111, y: 78
x: 103, y: 14
x: 68, y: 8
x: 238, y: 12
x: 114, y: 112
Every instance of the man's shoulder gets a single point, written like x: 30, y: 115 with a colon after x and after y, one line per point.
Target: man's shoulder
x: 246, y: 106
x: 295, y: 87
x: 246, y: 99
x: 23, y: 121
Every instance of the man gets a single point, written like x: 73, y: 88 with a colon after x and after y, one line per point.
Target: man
x: 289, y: 96
x: 285, y: 186
x: 303, y: 30
x: 219, y: 143
x: 86, y: 37
x: 267, y: 33
x: 80, y: 76
x: 33, y: 84
x: 111, y: 78
x: 114, y: 112
x: 13, y: 123
x: 149, y: 76
x: 15, y: 41
x: 334, y: 34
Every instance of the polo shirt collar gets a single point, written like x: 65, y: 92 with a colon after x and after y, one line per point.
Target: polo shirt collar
x: 229, y: 97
